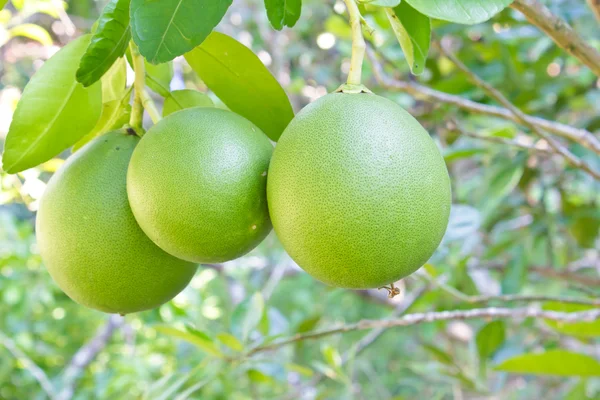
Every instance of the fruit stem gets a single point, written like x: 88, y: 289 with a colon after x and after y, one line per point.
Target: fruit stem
x: 141, y: 99
x: 358, y: 44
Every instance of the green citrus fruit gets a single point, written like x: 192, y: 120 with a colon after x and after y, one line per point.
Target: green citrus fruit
x: 90, y: 242
x: 197, y: 185
x: 358, y: 192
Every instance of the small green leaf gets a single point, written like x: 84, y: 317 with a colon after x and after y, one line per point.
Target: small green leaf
x: 489, y: 338
x: 552, y: 362
x: 54, y: 112
x: 108, y: 43
x: 114, y: 81
x: 258, y: 377
x: 230, y: 341
x: 31, y: 31
x: 299, y: 369
x: 197, y: 338
x: 460, y: 11
x: 578, y: 329
x: 332, y: 356
x: 283, y: 12
x: 242, y: 82
x: 166, y: 29
x: 181, y: 99
x: 451, y: 155
x: 413, y: 31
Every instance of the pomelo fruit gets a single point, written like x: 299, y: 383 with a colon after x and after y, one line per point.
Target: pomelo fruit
x: 358, y: 192
x: 197, y: 185
x: 90, y: 242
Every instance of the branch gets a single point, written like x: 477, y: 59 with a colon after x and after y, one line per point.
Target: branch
x: 39, y: 375
x: 506, y: 297
x: 420, y: 318
x: 86, y: 354
x: 581, y: 136
x: 595, y: 6
x: 560, y: 31
x: 521, y: 117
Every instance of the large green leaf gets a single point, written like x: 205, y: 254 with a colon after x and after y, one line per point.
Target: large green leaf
x: 166, y: 29
x: 460, y: 11
x: 242, y: 82
x: 114, y: 81
x: 283, y: 12
x: 579, y: 329
x: 552, y: 362
x: 54, y: 112
x: 413, y: 31
x: 108, y: 43
x: 158, y: 77
x: 187, y: 98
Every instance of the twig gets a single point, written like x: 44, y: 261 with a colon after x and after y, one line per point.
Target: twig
x: 500, y: 140
x: 420, y: 318
x: 581, y: 136
x: 595, y: 6
x: 504, y: 298
x: 499, y: 97
x: 552, y: 273
x: 358, y: 44
x: 559, y: 31
x: 39, y: 375
x: 86, y: 354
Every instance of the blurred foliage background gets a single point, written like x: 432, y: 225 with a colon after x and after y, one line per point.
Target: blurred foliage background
x: 522, y: 222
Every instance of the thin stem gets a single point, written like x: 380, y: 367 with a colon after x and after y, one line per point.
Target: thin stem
x: 149, y: 106
x: 559, y: 31
x: 521, y: 117
x: 137, y: 110
x: 429, y: 317
x: 358, y: 44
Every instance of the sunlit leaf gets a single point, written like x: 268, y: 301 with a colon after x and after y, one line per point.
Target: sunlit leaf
x: 54, y: 112
x: 257, y: 376
x: 109, y: 42
x: 552, y: 362
x: 242, y: 82
x: 460, y: 11
x: 166, y: 29
x: 413, y: 31
x: 230, y: 341
x: 31, y: 31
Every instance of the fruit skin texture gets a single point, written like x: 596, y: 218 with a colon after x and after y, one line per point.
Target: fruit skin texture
x: 358, y: 192
x: 197, y: 185
x: 90, y: 242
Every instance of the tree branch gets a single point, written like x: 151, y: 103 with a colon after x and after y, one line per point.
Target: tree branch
x: 499, y: 97
x: 506, y: 297
x: 560, y: 31
x: 595, y: 6
x: 39, y: 375
x: 86, y: 354
x: 420, y: 318
x: 581, y: 136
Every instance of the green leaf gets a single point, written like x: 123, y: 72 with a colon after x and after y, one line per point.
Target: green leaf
x: 114, y: 81
x: 31, y: 31
x: 441, y: 355
x: 332, y: 357
x: 158, y: 77
x: 247, y: 315
x: 166, y: 29
x: 489, y: 338
x: 381, y: 3
x: 54, y: 112
x: 578, y: 329
x: 242, y: 82
x: 115, y: 114
x: 108, y: 43
x: 182, y: 99
x: 552, y: 362
x: 230, y: 341
x: 197, y: 338
x: 451, y: 155
x: 283, y: 12
x: 413, y: 31
x: 3, y: 3
x: 299, y: 369
x: 460, y: 11
x: 258, y: 377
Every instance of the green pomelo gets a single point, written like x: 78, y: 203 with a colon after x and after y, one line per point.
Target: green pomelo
x: 358, y: 192
x: 197, y: 185
x: 90, y: 242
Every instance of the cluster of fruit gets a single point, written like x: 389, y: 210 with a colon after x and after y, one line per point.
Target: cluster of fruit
x: 356, y: 190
